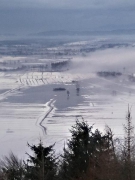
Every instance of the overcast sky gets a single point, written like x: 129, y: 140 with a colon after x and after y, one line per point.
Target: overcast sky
x: 31, y: 16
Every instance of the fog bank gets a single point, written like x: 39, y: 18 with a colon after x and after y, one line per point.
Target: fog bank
x: 115, y: 59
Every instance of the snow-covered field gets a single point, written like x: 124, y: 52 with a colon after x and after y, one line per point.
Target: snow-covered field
x: 30, y: 109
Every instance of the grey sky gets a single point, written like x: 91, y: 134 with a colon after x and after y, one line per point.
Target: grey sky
x: 29, y: 16
x: 70, y: 4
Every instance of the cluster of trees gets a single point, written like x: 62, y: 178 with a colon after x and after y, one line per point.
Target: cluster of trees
x: 109, y: 74
x: 60, y: 64
x: 88, y: 155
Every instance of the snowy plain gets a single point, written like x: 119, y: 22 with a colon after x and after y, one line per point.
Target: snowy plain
x: 30, y: 109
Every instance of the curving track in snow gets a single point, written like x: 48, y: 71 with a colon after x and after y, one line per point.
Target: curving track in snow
x: 48, y: 109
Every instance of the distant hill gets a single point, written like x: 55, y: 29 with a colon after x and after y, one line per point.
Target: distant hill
x: 83, y: 33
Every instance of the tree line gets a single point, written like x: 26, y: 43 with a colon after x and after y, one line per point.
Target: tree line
x: 88, y: 155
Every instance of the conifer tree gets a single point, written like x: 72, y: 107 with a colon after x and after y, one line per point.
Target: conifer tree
x: 128, y: 149
x: 41, y: 166
x: 86, y: 153
x: 76, y: 156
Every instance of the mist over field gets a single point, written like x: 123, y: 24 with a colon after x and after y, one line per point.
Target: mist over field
x: 114, y: 59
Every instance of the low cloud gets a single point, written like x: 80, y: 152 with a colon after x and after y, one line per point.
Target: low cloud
x: 115, y: 59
